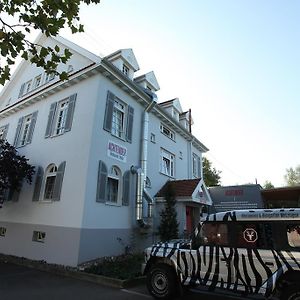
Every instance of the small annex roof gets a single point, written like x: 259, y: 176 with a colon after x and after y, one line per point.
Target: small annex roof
x: 182, y: 188
x: 150, y: 78
x: 280, y: 194
x: 127, y: 55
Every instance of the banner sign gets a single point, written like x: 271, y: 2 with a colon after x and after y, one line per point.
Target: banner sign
x: 117, y: 151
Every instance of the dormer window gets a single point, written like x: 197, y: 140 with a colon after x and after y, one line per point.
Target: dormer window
x: 125, y: 70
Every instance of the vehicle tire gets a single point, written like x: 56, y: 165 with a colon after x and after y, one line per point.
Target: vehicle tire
x: 161, y: 281
x: 291, y: 292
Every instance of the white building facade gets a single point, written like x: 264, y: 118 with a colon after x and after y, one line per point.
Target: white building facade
x: 102, y: 147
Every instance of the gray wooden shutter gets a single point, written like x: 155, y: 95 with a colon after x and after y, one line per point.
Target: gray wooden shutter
x: 70, y: 113
x: 31, y: 128
x: 126, y: 188
x: 102, y: 182
x: 58, y: 181
x: 51, y: 115
x: 17, y: 136
x: 109, y: 111
x: 199, y: 166
x: 21, y: 90
x: 38, y: 184
x: 5, y: 131
x: 129, y: 124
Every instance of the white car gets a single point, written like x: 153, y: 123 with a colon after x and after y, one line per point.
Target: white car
x: 244, y: 251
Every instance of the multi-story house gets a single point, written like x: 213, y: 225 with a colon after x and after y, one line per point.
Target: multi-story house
x: 102, y: 147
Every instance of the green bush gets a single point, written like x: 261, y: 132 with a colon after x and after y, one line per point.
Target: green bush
x: 120, y: 267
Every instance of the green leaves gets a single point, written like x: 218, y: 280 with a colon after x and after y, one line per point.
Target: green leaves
x: 14, y: 168
x: 48, y: 16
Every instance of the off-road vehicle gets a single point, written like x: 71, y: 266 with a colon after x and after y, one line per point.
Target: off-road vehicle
x: 248, y: 252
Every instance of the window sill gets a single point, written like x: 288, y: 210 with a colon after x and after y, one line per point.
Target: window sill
x: 173, y: 177
x: 113, y: 204
x: 119, y: 138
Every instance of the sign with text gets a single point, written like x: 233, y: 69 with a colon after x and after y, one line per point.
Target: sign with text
x: 117, y: 151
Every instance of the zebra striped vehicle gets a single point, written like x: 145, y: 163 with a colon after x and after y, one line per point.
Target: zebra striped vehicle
x: 244, y: 251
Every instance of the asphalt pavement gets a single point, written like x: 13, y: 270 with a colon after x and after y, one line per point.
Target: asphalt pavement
x: 23, y: 283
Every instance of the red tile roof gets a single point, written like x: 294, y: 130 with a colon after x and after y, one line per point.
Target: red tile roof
x: 182, y: 188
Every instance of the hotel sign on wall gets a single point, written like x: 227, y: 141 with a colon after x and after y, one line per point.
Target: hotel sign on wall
x: 116, y: 151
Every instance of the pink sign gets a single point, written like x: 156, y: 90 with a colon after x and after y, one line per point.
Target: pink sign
x: 117, y: 151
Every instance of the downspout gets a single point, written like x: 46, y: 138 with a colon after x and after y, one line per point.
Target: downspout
x: 142, y: 171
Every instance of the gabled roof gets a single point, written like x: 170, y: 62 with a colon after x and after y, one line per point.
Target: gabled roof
x: 41, y: 38
x: 149, y: 78
x: 182, y: 188
x: 127, y: 55
x: 173, y: 102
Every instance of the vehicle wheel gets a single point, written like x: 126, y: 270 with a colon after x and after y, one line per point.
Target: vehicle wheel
x: 161, y: 281
x: 291, y: 292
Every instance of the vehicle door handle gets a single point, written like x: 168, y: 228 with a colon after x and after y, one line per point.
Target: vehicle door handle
x: 270, y: 264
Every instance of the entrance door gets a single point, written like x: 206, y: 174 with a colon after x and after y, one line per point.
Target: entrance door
x: 189, y: 219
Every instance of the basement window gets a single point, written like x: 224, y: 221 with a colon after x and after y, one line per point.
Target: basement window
x: 39, y: 236
x: 2, y: 231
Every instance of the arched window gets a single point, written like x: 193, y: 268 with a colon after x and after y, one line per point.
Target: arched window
x: 50, y: 177
x: 114, y: 185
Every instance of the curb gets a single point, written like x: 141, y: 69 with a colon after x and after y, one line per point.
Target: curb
x: 64, y: 271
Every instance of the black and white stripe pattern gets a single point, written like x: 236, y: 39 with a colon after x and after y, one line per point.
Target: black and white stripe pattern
x: 246, y: 270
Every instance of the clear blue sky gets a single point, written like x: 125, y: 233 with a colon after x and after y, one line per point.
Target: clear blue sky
x: 235, y: 63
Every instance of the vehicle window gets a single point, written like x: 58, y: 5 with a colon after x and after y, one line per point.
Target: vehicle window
x: 251, y: 235
x: 215, y: 234
x: 293, y: 235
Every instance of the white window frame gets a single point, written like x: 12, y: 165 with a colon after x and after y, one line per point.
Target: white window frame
x: 51, y: 173
x: 196, y: 160
x: 37, y: 81
x: 61, y: 116
x: 39, y: 236
x: 24, y: 132
x: 152, y: 138
x: 49, y: 77
x: 167, y: 163
x: 125, y: 70
x: 167, y: 132
x: 118, y: 119
x: 115, y: 176
x: 27, y: 87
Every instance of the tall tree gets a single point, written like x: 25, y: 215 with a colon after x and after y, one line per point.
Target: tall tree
x: 168, y: 228
x: 211, y: 176
x: 268, y: 185
x: 14, y: 169
x: 49, y: 17
x: 292, y: 176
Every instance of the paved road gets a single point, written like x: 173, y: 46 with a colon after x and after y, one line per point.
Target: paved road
x: 21, y: 283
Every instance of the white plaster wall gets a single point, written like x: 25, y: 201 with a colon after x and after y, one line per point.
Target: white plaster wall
x: 99, y: 215
x: 72, y: 147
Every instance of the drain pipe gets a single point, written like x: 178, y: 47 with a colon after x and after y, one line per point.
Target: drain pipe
x: 142, y: 171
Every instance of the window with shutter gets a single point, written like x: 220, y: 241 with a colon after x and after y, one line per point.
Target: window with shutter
x: 101, y: 183
x: 196, y: 165
x: 118, y: 118
x: 126, y: 188
x: 38, y: 184
x: 60, y: 117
